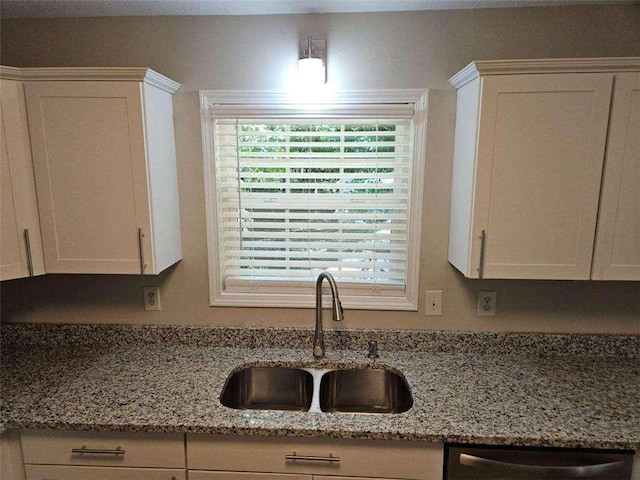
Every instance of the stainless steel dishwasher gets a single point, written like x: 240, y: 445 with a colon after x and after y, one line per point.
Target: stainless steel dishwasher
x: 464, y: 462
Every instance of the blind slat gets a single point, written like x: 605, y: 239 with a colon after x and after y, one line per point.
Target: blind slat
x: 332, y: 199
x: 280, y: 162
x: 311, y: 215
x: 382, y: 277
x: 235, y: 247
x: 232, y: 235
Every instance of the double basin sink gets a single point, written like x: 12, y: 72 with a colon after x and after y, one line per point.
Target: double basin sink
x: 366, y: 390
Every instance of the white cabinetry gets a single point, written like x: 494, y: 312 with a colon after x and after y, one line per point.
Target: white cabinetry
x: 617, y: 249
x: 201, y: 475
x: 217, y: 456
x: 20, y: 241
x: 105, y: 168
x: 11, y: 461
x: 528, y: 164
x: 103, y: 455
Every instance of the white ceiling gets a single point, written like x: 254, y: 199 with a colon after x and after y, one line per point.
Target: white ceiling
x: 103, y: 8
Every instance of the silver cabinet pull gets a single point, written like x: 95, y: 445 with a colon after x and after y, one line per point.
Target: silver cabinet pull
x: 98, y: 451
x: 312, y: 458
x: 483, y: 236
x: 142, y: 264
x: 577, y: 471
x: 29, y: 257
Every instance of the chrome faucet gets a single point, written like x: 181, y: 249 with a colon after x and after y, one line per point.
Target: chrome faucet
x: 338, y: 314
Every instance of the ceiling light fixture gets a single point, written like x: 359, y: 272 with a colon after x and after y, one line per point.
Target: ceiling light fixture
x: 312, y: 60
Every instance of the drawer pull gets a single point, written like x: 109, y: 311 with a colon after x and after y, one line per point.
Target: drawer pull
x: 98, y: 451
x: 312, y: 458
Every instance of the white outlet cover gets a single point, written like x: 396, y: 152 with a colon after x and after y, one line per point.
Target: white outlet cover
x: 486, y: 304
x: 151, y: 298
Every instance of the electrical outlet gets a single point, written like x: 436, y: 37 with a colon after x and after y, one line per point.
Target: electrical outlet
x: 433, y: 302
x: 486, y: 304
x: 151, y: 298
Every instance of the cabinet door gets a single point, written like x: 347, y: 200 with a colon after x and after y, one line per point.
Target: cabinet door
x: 322, y: 477
x: 12, y: 462
x: 203, y: 475
x: 20, y: 241
x: 539, y: 166
x: 62, y: 472
x: 91, y: 175
x: 617, y: 251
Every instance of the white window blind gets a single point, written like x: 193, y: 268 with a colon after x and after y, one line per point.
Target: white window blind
x: 293, y: 188
x: 298, y: 197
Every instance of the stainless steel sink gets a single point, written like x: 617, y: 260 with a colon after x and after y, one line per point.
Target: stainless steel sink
x: 269, y: 388
x: 364, y: 391
x: 306, y: 389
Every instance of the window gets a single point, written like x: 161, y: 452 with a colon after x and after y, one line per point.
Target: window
x: 293, y: 190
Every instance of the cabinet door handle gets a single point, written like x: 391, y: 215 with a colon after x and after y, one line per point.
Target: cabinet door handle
x: 312, y: 458
x: 483, y: 237
x: 576, y: 471
x: 27, y: 242
x: 98, y: 451
x: 141, y: 252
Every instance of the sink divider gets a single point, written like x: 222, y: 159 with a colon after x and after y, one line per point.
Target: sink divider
x: 317, y: 374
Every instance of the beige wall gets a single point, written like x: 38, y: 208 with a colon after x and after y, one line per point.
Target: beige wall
x: 364, y: 51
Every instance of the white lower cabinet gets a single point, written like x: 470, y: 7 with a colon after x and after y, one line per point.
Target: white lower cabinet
x: 268, y: 458
x: 61, y: 472
x: 63, y: 455
x: 203, y: 475
x: 11, y: 462
x: 200, y: 475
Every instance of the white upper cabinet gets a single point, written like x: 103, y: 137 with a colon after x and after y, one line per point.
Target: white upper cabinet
x: 20, y: 241
x: 105, y: 168
x: 528, y: 164
x: 617, y: 250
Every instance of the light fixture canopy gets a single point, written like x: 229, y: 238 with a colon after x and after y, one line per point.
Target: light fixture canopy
x: 312, y: 60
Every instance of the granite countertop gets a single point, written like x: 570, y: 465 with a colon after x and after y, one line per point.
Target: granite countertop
x: 504, y: 397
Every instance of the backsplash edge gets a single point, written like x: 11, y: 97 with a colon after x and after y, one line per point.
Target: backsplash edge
x: 435, y: 341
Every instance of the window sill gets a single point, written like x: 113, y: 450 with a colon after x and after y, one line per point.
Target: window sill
x: 350, y: 302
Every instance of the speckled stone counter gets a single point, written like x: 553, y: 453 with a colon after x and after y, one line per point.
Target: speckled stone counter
x: 528, y: 395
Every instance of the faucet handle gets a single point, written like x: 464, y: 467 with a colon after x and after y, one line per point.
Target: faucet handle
x: 373, y: 349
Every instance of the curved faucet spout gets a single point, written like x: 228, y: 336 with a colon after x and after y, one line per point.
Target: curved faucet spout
x: 338, y: 313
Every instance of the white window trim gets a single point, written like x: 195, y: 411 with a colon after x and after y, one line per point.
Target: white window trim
x: 225, y: 104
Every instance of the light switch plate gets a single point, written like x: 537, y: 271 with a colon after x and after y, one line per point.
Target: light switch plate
x: 433, y: 303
